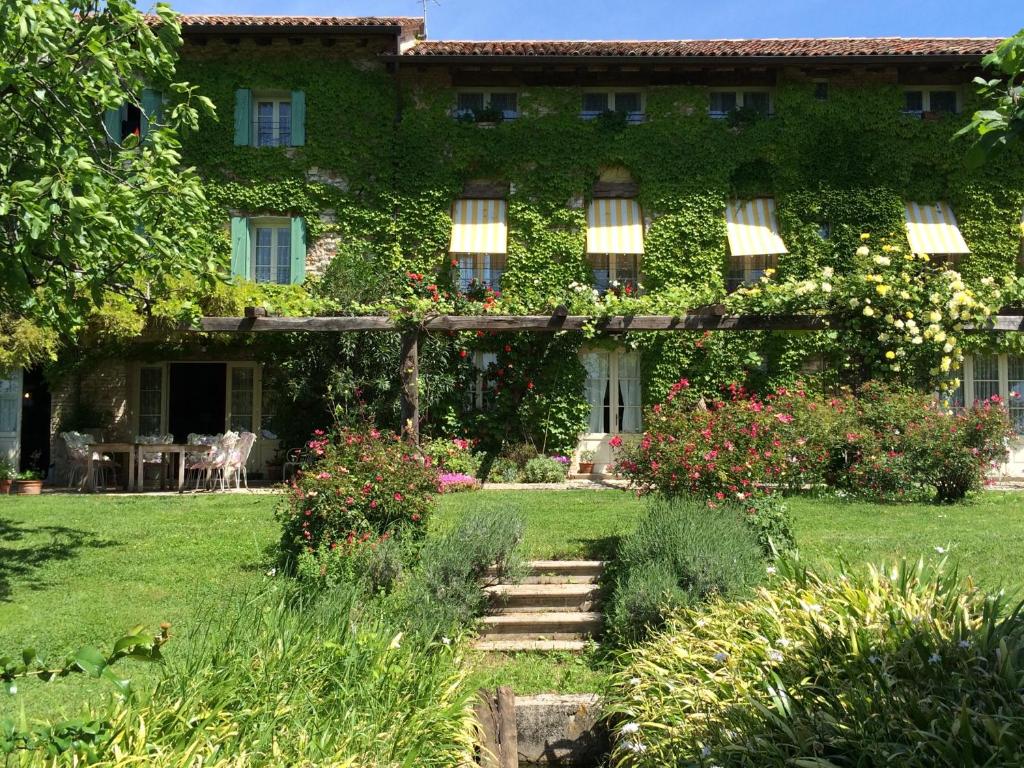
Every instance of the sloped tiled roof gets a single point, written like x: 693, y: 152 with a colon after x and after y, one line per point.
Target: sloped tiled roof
x: 235, y: 22
x: 782, y: 48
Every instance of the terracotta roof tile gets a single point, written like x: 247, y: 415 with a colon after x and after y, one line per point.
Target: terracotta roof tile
x: 794, y: 47
x: 300, y: 21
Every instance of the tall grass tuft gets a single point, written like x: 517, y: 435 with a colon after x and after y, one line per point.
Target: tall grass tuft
x: 292, y: 680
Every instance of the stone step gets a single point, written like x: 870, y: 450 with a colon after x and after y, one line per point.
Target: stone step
x: 560, y: 571
x: 518, y: 598
x: 514, y: 644
x: 554, y: 625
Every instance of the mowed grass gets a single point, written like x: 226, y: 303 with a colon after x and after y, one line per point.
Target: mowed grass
x: 77, y: 570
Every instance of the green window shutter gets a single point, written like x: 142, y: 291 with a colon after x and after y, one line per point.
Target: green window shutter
x: 298, y: 118
x: 240, y: 247
x: 112, y: 124
x: 152, y: 109
x: 243, y: 117
x: 298, y: 250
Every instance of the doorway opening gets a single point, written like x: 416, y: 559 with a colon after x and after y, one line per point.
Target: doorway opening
x: 35, y: 422
x: 196, y: 399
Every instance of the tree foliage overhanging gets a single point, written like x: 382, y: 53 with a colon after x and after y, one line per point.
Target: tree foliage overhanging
x: 87, y: 219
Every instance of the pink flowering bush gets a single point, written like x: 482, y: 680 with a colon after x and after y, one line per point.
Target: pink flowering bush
x: 363, y: 483
x: 453, y: 482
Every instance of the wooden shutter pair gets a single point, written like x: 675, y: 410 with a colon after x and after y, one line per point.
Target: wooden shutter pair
x: 241, y: 248
x: 244, y: 118
x: 152, y: 104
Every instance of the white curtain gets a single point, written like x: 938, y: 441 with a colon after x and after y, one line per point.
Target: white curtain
x: 629, y: 392
x: 596, y: 364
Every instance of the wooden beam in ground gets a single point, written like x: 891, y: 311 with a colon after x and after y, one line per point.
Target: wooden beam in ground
x: 508, y: 733
x: 553, y: 323
x: 409, y: 392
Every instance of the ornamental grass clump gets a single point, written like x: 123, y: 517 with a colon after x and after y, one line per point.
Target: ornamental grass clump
x: 362, y: 484
x: 904, y: 665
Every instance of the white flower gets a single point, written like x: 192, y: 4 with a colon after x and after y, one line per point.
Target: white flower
x: 863, y: 251
x: 446, y: 640
x: 705, y: 751
x: 774, y: 655
x: 826, y: 287
x: 827, y: 272
x: 964, y: 644
x: 630, y: 728
x: 941, y: 550
x: 634, y: 746
x: 882, y: 261
x: 934, y: 658
x: 772, y: 570
x: 272, y: 572
x: 783, y: 642
x: 721, y: 657
x: 812, y: 607
x: 868, y: 311
x: 634, y: 681
x: 874, y: 658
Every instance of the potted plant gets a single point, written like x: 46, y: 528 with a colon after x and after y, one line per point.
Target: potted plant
x: 6, y: 476
x: 488, y: 116
x: 28, y: 483
x: 586, y: 463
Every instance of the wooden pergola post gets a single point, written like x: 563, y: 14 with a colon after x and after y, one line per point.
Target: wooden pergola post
x: 409, y: 394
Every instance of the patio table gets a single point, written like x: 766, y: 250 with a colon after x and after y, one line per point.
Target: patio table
x: 141, y: 449
x: 101, y: 449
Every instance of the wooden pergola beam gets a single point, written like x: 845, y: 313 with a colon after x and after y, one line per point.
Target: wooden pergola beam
x: 552, y: 323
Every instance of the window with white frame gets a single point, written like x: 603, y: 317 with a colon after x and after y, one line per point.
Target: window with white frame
x: 151, y: 400
x: 618, y: 272
x: 629, y: 103
x: 613, y: 391
x: 10, y: 402
x: 272, y: 251
x: 723, y: 102
x: 241, y: 397
x: 748, y: 270
x: 480, y: 269
x: 479, y: 395
x: 919, y: 100
x: 272, y: 115
x: 997, y: 374
x: 476, y: 104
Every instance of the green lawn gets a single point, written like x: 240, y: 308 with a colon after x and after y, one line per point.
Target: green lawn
x: 80, y: 569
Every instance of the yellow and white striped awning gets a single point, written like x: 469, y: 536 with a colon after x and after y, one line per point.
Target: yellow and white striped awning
x: 752, y: 228
x: 932, y: 229
x: 614, y: 225
x: 479, y: 226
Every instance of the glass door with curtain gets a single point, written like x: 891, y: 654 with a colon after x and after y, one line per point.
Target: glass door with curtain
x: 241, y: 397
x: 613, y: 391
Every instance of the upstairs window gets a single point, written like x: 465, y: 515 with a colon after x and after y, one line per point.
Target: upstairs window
x: 725, y: 102
x: 134, y: 119
x: 921, y: 101
x: 269, y: 249
x: 479, y: 242
x: 615, y: 243
x: 270, y: 118
x: 933, y: 230
x: 487, y: 106
x: 754, y: 240
x: 628, y: 103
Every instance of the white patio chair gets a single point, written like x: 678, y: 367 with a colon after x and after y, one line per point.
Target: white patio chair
x: 216, y: 460
x: 194, y: 458
x: 237, y: 459
x: 81, y: 456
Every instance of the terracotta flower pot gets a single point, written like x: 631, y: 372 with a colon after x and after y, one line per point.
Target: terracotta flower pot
x: 586, y: 468
x: 28, y: 487
x: 5, y: 487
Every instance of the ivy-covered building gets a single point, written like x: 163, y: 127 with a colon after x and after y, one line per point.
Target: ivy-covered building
x: 350, y: 153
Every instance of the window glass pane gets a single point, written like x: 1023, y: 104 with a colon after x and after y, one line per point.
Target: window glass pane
x: 506, y: 102
x: 942, y: 101
x: 627, y: 102
x: 494, y: 267
x: 758, y: 101
x: 629, y: 392
x: 265, y: 124
x: 284, y: 124
x: 267, y: 407
x: 1015, y: 366
x: 986, y: 376
x: 284, y: 256
x: 821, y: 91
x: 150, y: 400
x: 242, y: 390
x: 264, y: 254
x: 627, y: 269
x: 596, y: 364
x: 469, y: 102
x: 913, y: 101
x: 9, y: 414
x: 600, y: 271
x: 467, y: 270
x: 595, y: 102
x: 722, y: 102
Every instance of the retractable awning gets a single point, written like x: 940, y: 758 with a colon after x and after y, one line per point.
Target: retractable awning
x: 614, y: 225
x: 932, y: 229
x: 752, y: 228
x: 479, y: 226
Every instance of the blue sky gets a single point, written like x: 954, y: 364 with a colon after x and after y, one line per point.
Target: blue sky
x: 661, y: 19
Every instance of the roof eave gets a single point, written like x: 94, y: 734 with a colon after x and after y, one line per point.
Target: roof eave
x: 701, y: 60
x: 292, y: 29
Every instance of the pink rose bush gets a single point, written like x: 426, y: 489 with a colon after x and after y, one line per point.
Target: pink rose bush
x: 363, y: 484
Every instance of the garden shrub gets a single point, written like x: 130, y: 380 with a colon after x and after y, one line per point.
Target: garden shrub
x: 453, y: 456
x: 899, y: 666
x: 687, y: 553
x: 503, y: 470
x: 289, y: 678
x: 360, y: 482
x: 374, y: 565
x: 454, y: 482
x: 446, y: 589
x: 544, y: 469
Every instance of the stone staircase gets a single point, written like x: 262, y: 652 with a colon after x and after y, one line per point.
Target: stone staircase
x: 556, y: 608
